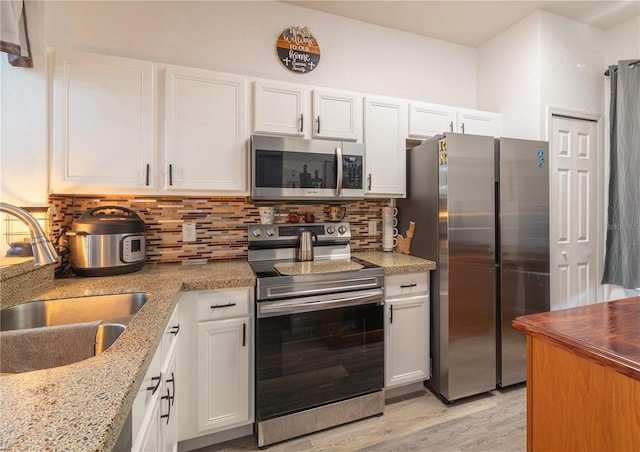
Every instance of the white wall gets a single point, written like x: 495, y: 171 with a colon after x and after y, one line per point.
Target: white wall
x: 240, y: 37
x: 571, y: 65
x: 509, y: 78
x: 23, y: 113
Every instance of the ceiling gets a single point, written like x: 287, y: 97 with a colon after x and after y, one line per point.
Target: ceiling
x: 471, y: 23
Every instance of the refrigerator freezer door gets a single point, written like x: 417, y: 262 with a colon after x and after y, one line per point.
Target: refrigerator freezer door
x: 523, y: 247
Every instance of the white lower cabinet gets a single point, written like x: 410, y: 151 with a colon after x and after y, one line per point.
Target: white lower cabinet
x: 154, y: 412
x: 216, y: 354
x: 406, y: 329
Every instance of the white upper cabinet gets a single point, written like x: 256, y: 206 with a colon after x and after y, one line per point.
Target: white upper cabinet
x: 475, y: 122
x: 427, y: 120
x: 279, y: 108
x: 206, y: 137
x: 337, y: 115
x: 385, y: 129
x: 103, y: 123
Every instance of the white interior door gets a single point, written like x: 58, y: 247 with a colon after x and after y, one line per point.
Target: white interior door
x: 573, y: 212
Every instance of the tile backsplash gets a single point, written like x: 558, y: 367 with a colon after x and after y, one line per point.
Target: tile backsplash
x: 221, y: 223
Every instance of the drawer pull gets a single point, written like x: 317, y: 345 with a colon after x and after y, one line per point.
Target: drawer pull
x: 168, y: 399
x: 406, y: 286
x: 172, y: 380
x: 175, y: 329
x: 218, y: 306
x: 153, y: 389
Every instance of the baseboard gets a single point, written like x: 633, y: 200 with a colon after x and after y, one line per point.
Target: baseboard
x: 215, y: 438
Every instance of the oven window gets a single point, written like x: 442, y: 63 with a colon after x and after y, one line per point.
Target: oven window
x: 309, y: 359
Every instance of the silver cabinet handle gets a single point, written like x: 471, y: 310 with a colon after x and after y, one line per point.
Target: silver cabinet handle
x: 244, y: 334
x: 175, y: 330
x: 147, y: 175
x: 302, y: 123
x: 391, y: 314
x: 369, y: 182
x: 318, y: 125
x: 462, y: 127
x: 170, y: 174
x: 451, y: 126
x: 405, y: 286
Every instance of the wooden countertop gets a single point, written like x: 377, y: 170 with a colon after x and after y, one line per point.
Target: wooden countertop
x: 608, y: 333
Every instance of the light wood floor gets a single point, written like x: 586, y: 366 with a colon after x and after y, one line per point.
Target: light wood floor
x: 492, y: 422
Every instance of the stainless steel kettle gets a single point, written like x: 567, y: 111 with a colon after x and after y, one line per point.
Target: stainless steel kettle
x: 305, y: 247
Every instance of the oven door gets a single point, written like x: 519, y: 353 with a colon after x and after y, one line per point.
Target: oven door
x: 317, y: 350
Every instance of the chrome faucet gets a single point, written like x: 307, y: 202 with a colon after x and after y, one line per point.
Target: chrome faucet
x: 44, y: 252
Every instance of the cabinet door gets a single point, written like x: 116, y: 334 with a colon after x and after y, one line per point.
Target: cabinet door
x: 476, y: 122
x: 103, y: 124
x: 406, y: 340
x: 205, y: 131
x: 168, y: 406
x: 427, y: 120
x: 337, y: 115
x: 223, y: 373
x: 385, y: 141
x: 279, y: 109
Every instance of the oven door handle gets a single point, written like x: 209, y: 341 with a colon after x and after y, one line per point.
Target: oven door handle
x: 302, y: 305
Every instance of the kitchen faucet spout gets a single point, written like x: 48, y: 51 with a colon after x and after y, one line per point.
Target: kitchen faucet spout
x: 44, y: 252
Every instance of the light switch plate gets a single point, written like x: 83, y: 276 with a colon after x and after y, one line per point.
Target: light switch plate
x: 189, y: 232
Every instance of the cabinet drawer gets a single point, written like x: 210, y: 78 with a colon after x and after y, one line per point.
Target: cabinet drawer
x: 406, y: 284
x: 220, y: 304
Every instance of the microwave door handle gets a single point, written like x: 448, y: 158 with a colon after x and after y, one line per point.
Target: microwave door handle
x: 339, y: 172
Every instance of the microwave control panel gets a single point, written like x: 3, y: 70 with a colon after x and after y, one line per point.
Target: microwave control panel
x: 351, y: 172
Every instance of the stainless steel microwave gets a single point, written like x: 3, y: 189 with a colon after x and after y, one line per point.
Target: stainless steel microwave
x: 292, y: 168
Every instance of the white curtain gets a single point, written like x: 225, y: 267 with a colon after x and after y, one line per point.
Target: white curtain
x: 622, y: 253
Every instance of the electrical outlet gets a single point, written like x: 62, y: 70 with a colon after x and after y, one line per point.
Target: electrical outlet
x: 372, y: 227
x: 189, y: 232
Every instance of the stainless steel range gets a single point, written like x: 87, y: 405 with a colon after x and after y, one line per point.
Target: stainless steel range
x: 319, y: 332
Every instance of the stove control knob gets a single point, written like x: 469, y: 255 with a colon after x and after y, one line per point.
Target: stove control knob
x: 331, y: 229
x: 342, y: 229
x: 257, y: 232
x: 271, y: 231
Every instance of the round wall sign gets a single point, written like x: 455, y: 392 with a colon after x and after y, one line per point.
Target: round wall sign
x: 298, y: 50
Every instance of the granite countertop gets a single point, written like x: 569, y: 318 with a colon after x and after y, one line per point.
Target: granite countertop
x: 395, y: 263
x: 83, y: 406
x: 604, y: 332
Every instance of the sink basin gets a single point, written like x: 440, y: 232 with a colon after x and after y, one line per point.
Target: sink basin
x: 106, y: 335
x: 115, y: 311
x: 108, y: 308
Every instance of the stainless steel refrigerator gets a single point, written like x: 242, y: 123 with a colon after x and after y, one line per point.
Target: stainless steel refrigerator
x: 481, y: 211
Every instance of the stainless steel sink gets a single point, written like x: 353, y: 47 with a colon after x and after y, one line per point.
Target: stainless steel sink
x: 107, y: 335
x: 108, y: 308
x: 115, y: 311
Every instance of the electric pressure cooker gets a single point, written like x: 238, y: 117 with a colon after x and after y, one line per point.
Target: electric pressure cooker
x: 107, y: 241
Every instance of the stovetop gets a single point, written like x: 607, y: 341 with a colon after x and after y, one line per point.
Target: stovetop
x: 334, y: 269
